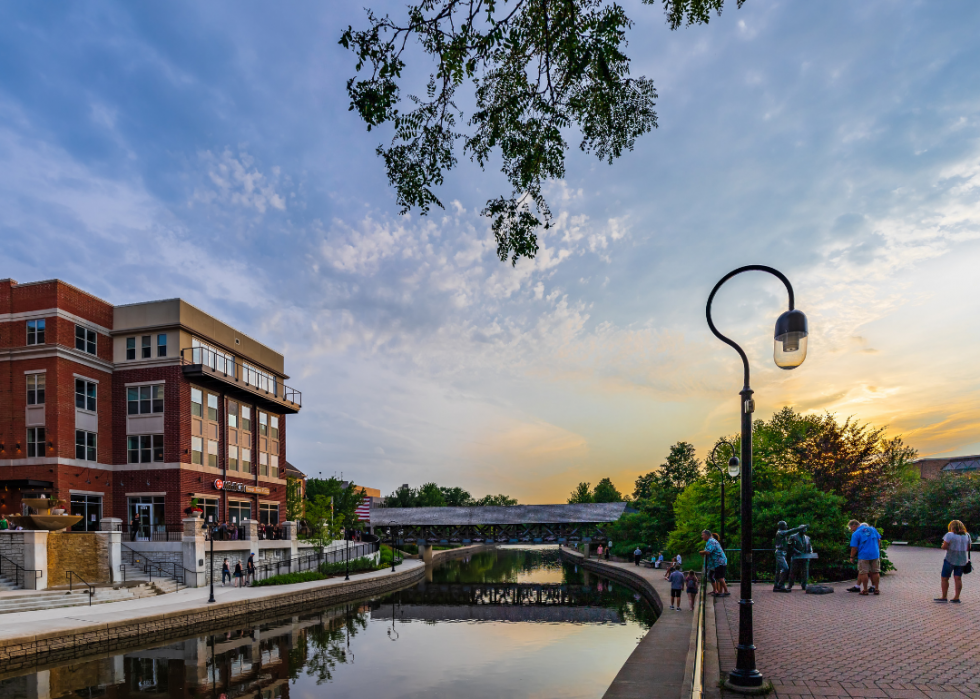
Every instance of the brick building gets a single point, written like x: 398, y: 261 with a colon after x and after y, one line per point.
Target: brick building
x: 932, y: 468
x: 134, y: 410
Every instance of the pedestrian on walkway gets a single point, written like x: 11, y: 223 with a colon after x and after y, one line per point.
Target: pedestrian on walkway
x: 956, y: 543
x: 864, y: 547
x: 660, y: 560
x: 134, y: 527
x: 250, y: 569
x: 715, y: 561
x: 598, y: 551
x: 225, y: 573
x: 637, y: 555
x: 4, y: 524
x: 691, y: 583
x: 238, y: 574
x: 676, y: 586
x: 678, y: 561
x: 608, y: 546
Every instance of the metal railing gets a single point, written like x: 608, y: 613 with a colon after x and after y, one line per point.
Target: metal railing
x: 235, y: 370
x: 697, y: 682
x: 21, y: 575
x: 312, y: 561
x: 139, y: 561
x: 156, y: 532
x: 71, y: 575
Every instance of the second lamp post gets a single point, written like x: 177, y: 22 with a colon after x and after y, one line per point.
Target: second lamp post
x: 789, y: 351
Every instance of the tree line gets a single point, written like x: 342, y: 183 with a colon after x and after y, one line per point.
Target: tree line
x: 812, y: 469
x: 434, y: 495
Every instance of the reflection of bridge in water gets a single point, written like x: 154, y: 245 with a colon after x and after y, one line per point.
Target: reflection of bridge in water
x: 552, y: 602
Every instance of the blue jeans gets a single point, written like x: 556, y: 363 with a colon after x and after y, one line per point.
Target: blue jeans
x: 948, y: 569
x: 225, y: 574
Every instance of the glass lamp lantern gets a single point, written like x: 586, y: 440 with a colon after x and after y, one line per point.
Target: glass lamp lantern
x: 789, y: 343
x: 734, y: 467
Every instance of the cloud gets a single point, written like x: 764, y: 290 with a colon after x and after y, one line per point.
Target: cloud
x: 235, y: 181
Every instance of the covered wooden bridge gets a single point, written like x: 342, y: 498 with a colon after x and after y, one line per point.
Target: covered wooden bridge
x: 514, y: 524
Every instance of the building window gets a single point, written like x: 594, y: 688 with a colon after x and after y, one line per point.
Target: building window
x: 246, y: 418
x: 203, y: 353
x: 232, y: 458
x: 197, y: 399
x: 35, y: 332
x: 145, y: 347
x: 162, y: 345
x: 263, y: 424
x: 238, y: 512
x: 85, y: 394
x: 89, y: 507
x: 35, y: 441
x: 212, y: 407
x: 197, y: 450
x: 274, y: 466
x: 268, y: 513
x: 212, y: 453
x: 35, y: 389
x: 232, y: 414
x: 258, y: 378
x: 210, y: 507
x: 274, y: 426
x: 85, y: 339
x: 130, y: 348
x: 246, y: 460
x: 145, y: 448
x: 263, y: 464
x: 85, y: 445
x: 143, y: 400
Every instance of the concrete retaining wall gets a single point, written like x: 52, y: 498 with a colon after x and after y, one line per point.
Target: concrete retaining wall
x: 626, y: 577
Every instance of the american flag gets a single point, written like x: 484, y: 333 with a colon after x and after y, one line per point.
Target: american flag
x: 363, y: 511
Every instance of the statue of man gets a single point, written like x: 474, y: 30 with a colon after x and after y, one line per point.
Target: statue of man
x: 782, y: 544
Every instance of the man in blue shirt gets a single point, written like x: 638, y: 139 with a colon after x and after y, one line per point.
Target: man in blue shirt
x: 864, y: 547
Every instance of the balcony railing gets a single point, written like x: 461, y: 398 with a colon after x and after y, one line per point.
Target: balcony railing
x: 249, y: 378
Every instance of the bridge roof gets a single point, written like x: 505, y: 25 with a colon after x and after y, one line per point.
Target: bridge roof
x: 593, y: 513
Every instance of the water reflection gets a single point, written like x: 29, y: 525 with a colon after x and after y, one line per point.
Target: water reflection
x: 520, y: 625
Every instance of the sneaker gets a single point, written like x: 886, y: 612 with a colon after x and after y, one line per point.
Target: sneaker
x: 871, y: 589
x: 672, y: 606
x: 679, y: 609
x: 941, y: 600
x: 954, y: 601
x: 854, y: 589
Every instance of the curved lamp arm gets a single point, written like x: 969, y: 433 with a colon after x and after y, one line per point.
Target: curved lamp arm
x: 748, y: 268
x: 721, y: 443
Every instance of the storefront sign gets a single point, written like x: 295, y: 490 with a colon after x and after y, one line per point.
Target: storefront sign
x: 240, y: 487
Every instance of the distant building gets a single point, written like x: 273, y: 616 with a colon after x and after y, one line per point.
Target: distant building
x: 292, y: 472
x: 372, y: 499
x: 930, y: 469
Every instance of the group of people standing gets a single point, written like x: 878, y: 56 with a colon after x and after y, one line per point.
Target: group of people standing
x: 240, y: 577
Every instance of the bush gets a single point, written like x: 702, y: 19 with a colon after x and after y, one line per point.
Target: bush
x: 290, y: 578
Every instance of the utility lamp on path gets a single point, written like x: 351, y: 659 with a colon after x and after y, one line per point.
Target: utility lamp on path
x: 789, y: 351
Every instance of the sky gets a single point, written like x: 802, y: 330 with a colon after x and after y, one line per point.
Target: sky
x: 206, y: 151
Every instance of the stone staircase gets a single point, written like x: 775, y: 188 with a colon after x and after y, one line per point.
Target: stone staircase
x: 29, y: 600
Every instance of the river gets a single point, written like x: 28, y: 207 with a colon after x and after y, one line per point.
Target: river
x: 509, y: 622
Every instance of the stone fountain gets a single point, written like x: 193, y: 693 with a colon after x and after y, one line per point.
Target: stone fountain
x: 45, y: 519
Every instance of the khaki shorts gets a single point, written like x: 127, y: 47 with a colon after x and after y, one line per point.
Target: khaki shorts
x: 869, y: 567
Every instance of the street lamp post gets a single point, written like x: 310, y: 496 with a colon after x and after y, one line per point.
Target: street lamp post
x: 733, y: 470
x: 346, y: 554
x: 789, y: 351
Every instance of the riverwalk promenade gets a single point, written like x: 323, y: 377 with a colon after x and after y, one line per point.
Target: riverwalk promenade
x: 896, y: 645
x: 37, y: 637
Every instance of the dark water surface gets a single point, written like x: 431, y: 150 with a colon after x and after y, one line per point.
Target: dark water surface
x: 512, y: 622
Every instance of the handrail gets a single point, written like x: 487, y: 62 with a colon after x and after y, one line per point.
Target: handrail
x: 697, y: 684
x: 241, y: 371
x: 20, y: 572
x: 70, y: 574
x: 161, y: 566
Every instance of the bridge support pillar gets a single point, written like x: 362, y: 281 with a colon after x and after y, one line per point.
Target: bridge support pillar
x: 425, y: 552
x: 585, y: 548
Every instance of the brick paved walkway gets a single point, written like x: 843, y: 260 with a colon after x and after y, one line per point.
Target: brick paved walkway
x: 899, y: 645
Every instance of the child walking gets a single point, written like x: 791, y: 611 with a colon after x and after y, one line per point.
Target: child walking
x: 676, y: 585
x: 691, y: 581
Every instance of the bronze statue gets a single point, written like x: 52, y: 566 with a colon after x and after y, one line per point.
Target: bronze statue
x: 797, y: 544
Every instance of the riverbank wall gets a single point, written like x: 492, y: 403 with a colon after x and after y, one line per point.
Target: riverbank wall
x: 626, y: 577
x: 107, y: 630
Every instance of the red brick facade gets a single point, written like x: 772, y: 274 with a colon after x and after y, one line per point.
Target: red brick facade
x: 110, y: 476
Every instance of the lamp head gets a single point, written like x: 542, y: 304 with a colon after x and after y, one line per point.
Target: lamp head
x: 734, y: 467
x: 789, y: 345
